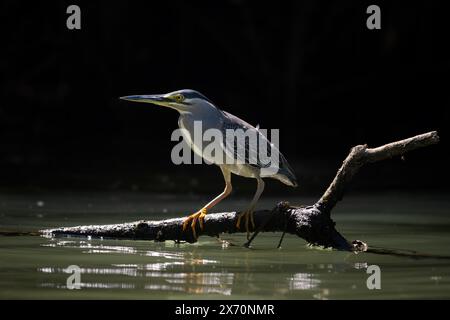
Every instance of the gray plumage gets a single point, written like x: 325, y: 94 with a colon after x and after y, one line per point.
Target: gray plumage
x: 195, y: 107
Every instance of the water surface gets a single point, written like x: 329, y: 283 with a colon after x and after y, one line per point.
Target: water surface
x: 33, y: 267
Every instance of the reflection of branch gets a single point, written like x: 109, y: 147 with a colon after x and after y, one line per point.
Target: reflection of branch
x: 312, y: 223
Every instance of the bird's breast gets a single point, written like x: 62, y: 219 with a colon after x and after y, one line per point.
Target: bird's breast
x: 186, y: 123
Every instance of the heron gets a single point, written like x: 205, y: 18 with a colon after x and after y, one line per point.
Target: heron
x: 195, y: 107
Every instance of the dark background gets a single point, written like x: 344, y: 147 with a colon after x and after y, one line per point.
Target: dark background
x: 310, y: 68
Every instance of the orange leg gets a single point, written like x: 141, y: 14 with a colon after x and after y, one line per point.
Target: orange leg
x: 200, y: 215
x: 248, y: 214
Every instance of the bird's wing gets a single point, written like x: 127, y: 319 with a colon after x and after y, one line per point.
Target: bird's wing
x: 242, y: 150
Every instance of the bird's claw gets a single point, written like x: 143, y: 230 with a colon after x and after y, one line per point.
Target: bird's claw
x: 248, y: 215
x: 198, y: 216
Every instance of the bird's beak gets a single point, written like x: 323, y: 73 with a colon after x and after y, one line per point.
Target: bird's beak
x: 154, y: 99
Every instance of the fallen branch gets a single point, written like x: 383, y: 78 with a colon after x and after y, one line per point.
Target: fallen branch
x: 312, y: 223
x: 360, y: 155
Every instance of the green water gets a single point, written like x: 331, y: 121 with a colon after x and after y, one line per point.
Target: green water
x: 33, y: 267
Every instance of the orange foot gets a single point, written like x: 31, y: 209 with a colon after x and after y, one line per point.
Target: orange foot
x: 199, y: 215
x: 248, y: 216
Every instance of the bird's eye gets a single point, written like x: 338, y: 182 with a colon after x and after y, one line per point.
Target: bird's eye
x: 178, y: 97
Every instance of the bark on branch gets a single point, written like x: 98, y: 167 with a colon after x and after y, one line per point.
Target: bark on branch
x: 312, y: 223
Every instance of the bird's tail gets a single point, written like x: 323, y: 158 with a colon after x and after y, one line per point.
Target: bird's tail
x: 285, y: 173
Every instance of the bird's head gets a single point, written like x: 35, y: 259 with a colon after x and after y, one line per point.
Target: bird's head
x: 185, y: 100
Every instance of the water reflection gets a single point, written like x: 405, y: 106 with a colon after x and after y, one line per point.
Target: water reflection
x: 303, y: 281
x: 206, y: 282
x: 90, y: 285
x: 98, y: 271
x: 170, y: 268
x: 91, y: 248
x: 167, y: 271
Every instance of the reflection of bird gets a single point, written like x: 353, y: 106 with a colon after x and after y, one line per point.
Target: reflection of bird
x: 194, y: 107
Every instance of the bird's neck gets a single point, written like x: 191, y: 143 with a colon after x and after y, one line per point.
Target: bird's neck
x: 207, y: 117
